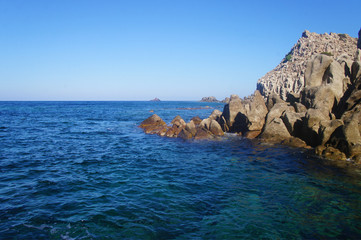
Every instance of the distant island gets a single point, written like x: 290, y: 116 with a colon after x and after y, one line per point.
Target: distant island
x: 214, y: 99
x: 155, y: 100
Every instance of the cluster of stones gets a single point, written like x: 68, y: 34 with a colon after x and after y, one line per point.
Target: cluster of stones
x: 289, y: 75
x: 197, y: 128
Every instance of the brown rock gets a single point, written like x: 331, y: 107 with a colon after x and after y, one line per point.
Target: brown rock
x: 154, y: 125
x: 191, y: 128
x: 252, y: 134
x: 333, y: 154
x: 196, y: 120
x: 203, y: 134
x: 184, y: 134
x: 215, y: 128
x: 295, y: 142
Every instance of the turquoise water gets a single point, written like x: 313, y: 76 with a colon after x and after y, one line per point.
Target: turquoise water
x: 84, y: 170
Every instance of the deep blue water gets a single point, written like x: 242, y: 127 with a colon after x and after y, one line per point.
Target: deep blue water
x: 84, y: 170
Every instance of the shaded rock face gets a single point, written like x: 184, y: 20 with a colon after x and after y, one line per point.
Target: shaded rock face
x: 241, y: 116
x: 359, y: 40
x: 289, y: 75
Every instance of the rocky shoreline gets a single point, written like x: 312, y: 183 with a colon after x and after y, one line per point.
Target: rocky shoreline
x: 324, y: 115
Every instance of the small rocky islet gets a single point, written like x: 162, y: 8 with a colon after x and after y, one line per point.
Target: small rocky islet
x: 311, y: 100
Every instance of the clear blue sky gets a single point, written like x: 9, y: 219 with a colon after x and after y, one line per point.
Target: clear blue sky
x: 138, y: 50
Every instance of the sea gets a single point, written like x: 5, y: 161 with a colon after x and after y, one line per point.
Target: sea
x: 85, y: 170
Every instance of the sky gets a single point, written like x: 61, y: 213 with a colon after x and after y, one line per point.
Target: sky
x: 114, y: 50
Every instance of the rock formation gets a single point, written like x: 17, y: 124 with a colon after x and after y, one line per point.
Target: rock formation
x: 289, y: 75
x: 324, y: 112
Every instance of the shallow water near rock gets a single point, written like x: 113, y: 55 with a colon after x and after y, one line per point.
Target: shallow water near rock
x: 84, y: 170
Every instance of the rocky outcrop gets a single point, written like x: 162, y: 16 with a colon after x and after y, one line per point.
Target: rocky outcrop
x: 289, y: 75
x: 242, y: 116
x: 324, y: 113
x: 155, y: 100
x: 154, y: 125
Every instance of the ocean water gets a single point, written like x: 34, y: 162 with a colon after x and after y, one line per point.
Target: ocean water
x: 84, y: 170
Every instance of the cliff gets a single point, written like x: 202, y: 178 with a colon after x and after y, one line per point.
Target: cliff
x: 288, y: 76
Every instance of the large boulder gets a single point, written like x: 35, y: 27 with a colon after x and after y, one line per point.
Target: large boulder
x: 321, y: 97
x: 257, y: 113
x: 154, y: 125
x: 334, y: 77
x: 277, y: 110
x: 242, y: 116
x: 233, y: 115
x: 293, y: 122
x: 311, y: 126
x: 215, y: 128
x: 315, y: 69
x: 275, y: 131
x: 203, y: 134
x: 212, y: 126
x: 327, y: 128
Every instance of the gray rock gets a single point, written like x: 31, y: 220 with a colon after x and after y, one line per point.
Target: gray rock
x: 233, y: 115
x: 275, y: 131
x: 327, y: 128
x: 293, y: 122
x: 315, y: 70
x: 272, y: 99
x: 257, y: 113
x: 333, y: 77
x: 277, y: 111
x: 321, y: 97
x: 311, y: 126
